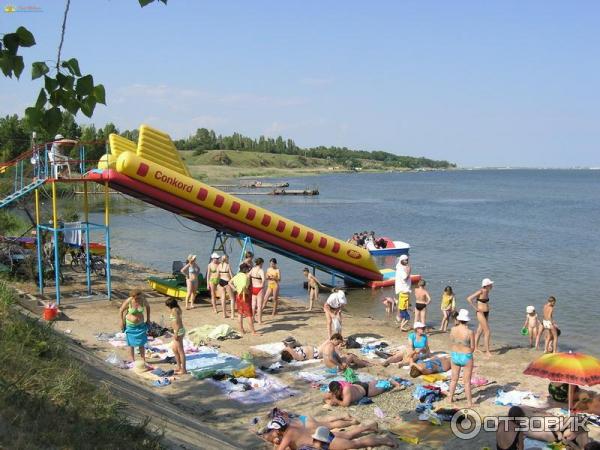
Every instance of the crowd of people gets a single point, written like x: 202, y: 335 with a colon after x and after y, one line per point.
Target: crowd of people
x: 368, y: 240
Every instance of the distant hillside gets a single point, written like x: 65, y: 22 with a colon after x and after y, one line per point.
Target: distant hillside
x: 205, y: 140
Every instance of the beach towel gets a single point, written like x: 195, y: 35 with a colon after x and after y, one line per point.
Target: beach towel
x: 512, y: 398
x: 264, y: 389
x: 136, y: 334
x: 273, y: 349
x: 534, y: 444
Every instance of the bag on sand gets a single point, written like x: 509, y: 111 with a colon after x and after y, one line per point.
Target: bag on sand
x: 336, y: 325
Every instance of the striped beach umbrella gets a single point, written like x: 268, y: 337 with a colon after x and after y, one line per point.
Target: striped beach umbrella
x: 571, y: 368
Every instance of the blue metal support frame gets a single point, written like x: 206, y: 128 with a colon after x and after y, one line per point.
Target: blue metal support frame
x: 246, y: 245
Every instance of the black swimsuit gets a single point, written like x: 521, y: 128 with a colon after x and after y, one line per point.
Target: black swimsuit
x: 486, y: 314
x: 363, y: 385
x: 513, y: 446
x: 420, y: 306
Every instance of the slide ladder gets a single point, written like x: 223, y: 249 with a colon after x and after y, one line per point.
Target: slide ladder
x: 22, y: 183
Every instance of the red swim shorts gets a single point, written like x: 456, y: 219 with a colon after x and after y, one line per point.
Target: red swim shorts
x: 244, y: 305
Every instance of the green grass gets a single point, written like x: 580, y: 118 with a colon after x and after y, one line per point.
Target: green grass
x: 46, y: 399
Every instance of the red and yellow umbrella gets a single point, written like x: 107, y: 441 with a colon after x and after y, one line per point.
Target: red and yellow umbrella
x: 572, y: 368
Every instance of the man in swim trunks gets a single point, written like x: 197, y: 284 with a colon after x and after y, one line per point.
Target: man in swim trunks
x: 435, y: 364
x: 343, y: 393
x: 293, y: 435
x: 332, y: 359
x: 550, y: 327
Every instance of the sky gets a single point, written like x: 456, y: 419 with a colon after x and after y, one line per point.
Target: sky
x: 505, y: 83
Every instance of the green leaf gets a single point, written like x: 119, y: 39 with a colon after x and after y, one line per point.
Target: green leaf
x: 145, y: 2
x: 52, y: 120
x: 38, y: 69
x: 71, y: 104
x: 88, y: 105
x: 5, y: 64
x: 41, y: 100
x: 100, y: 94
x: 73, y: 66
x: 17, y: 65
x: 26, y: 39
x: 11, y: 42
x: 56, y: 97
x: 33, y: 116
x: 50, y: 83
x: 85, y: 85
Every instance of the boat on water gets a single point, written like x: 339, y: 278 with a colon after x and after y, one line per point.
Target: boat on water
x: 174, y: 286
x: 390, y: 248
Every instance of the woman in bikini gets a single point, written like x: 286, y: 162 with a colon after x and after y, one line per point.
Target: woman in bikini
x: 463, y: 346
x: 300, y: 353
x: 224, y: 290
x: 422, y: 299
x: 191, y: 272
x: 313, y: 288
x: 257, y: 278
x: 273, y: 280
x: 418, y: 348
x: 178, y: 334
x: 133, y: 323
x: 483, y: 313
x: 212, y: 280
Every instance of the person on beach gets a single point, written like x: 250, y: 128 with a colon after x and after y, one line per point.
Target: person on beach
x: 301, y: 353
x: 191, y: 271
x: 333, y: 360
x: 311, y: 423
x: 461, y: 357
x: 390, y: 306
x: 550, y: 329
x: 422, y: 299
x: 313, y: 288
x: 178, y: 334
x: 533, y: 325
x: 402, y: 289
x: 133, y: 324
x: 257, y: 279
x: 273, y: 280
x: 344, y: 393
x: 435, y: 364
x: 248, y: 258
x: 293, y: 436
x: 448, y: 307
x: 333, y: 312
x: 243, y: 300
x: 212, y: 280
x: 418, y: 348
x: 483, y: 313
x: 507, y: 436
x: 224, y: 290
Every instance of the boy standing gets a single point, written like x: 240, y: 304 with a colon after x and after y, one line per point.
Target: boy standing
x: 402, y: 288
x: 550, y: 326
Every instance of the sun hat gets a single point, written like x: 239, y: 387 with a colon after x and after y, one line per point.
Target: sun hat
x: 530, y: 309
x: 463, y: 316
x: 191, y: 257
x: 418, y: 325
x: 486, y: 282
x: 58, y: 136
x: 214, y: 256
x: 403, y: 258
x: 322, y: 434
x: 337, y: 299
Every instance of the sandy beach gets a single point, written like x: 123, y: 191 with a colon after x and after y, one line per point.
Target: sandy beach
x: 84, y: 318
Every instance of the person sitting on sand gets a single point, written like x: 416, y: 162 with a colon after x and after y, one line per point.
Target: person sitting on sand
x: 333, y: 311
x: 461, y: 357
x: 133, y: 324
x: 313, y: 288
x: 533, y: 325
x: 344, y: 393
x: 243, y: 300
x: 448, y: 307
x: 418, y: 348
x: 422, y: 299
x: 333, y: 360
x: 550, y: 327
x: 285, y: 435
x: 435, y: 364
x: 178, y: 334
x: 483, y: 313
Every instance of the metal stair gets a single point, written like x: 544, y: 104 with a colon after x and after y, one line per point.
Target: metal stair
x: 21, y: 192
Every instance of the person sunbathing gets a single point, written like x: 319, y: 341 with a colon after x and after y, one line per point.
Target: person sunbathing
x: 333, y: 360
x: 302, y: 352
x: 435, y: 364
x: 312, y: 423
x: 290, y: 435
x: 343, y: 393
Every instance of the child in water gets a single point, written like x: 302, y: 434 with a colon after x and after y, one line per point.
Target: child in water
x: 549, y: 325
x: 533, y: 325
x: 448, y: 307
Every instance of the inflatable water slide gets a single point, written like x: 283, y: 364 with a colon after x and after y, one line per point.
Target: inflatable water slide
x: 152, y: 170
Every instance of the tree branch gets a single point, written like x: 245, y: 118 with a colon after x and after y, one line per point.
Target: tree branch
x: 62, y: 35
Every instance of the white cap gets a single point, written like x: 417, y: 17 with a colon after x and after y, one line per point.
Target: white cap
x: 530, y: 309
x: 58, y: 137
x: 418, y: 325
x: 214, y: 256
x: 463, y: 316
x: 322, y: 434
x: 191, y: 257
x: 403, y: 258
x: 486, y: 282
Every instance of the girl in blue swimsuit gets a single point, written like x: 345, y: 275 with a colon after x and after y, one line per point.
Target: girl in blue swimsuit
x: 461, y: 357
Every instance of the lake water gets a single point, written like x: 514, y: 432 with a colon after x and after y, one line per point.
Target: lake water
x: 534, y: 232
